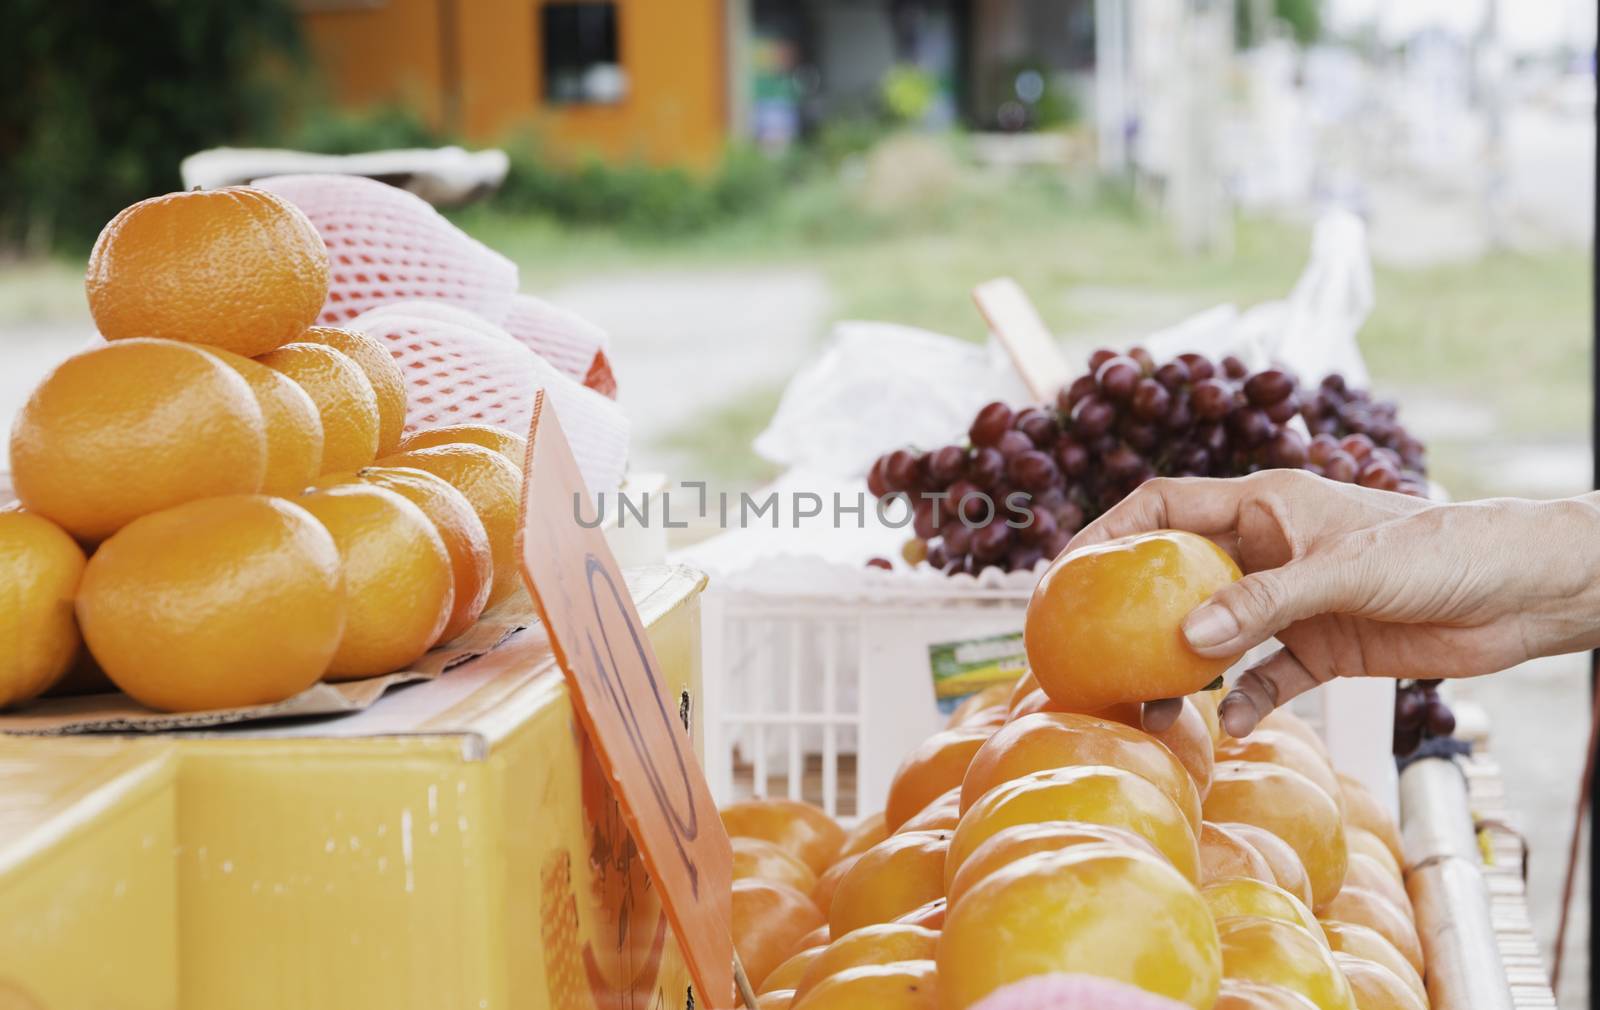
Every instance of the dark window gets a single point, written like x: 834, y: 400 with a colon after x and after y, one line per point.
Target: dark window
x: 581, y: 62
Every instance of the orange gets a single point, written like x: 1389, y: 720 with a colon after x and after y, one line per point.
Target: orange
x: 1240, y: 995
x: 777, y: 999
x: 131, y: 428
x: 1243, y: 896
x: 1224, y: 854
x: 762, y: 860
x: 1096, y: 794
x: 901, y: 873
x: 397, y: 579
x: 1104, y: 626
x: 1284, y: 719
x: 1025, y: 686
x: 507, y: 443
x: 1058, y: 739
x: 236, y: 268
x: 904, y: 985
x: 1287, y: 870
x: 800, y: 829
x: 1189, y: 739
x: 932, y: 769
x: 378, y: 365
x: 943, y: 814
x: 84, y: 676
x: 871, y: 830
x: 1210, y: 705
x: 1376, y: 987
x: 767, y: 920
x: 828, y: 882
x: 293, y: 426
x: 219, y: 603
x: 458, y: 526
x: 1392, y: 922
x: 882, y: 943
x: 1368, y: 944
x: 1290, y: 806
x: 1368, y: 844
x: 1092, y: 909
x: 1275, y: 952
x: 1369, y: 873
x: 494, y: 487
x: 819, y: 937
x: 1362, y: 810
x: 344, y: 397
x: 1281, y: 747
x: 995, y: 694
x: 929, y: 916
x: 1006, y: 847
x: 788, y: 974
x: 39, y: 571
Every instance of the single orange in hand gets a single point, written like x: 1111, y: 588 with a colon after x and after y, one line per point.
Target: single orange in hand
x: 509, y: 444
x: 755, y: 857
x: 237, y: 268
x: 1275, y: 952
x: 40, y: 567
x: 378, y: 365
x: 881, y: 943
x: 932, y: 769
x: 1097, y: 794
x: 1105, y: 625
x: 1093, y: 909
x: 767, y: 920
x: 1290, y: 806
x: 494, y: 487
x: 132, y: 428
x: 900, y: 873
x: 801, y: 829
x: 217, y: 603
x: 345, y: 401
x: 904, y: 985
x: 397, y: 579
x: 1059, y: 740
x: 1006, y: 847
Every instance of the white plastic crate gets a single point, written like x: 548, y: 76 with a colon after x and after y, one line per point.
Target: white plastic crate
x: 820, y: 697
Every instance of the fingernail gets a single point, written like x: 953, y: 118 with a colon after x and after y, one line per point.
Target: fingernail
x: 1210, y: 625
x: 1238, y: 715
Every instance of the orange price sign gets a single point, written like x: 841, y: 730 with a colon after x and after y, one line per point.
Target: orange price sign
x: 617, y: 690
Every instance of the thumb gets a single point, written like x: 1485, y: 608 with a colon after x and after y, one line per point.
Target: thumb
x: 1246, y: 613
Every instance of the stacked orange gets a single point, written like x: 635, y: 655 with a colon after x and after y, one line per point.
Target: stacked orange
x: 198, y: 501
x: 1240, y: 875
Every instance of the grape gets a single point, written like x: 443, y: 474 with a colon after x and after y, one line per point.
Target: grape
x: 1082, y: 386
x: 1103, y: 444
x: 1013, y: 443
x: 1022, y: 558
x: 1286, y: 449
x: 1211, y: 399
x: 1387, y: 455
x: 1117, y: 378
x: 1192, y: 459
x: 1441, y: 721
x: 925, y: 481
x: 1407, y: 741
x: 1233, y: 368
x: 1314, y: 469
x: 1357, y: 445
x: 880, y: 563
x: 947, y: 465
x: 1334, y: 381
x: 1071, y: 457
x: 1409, y: 708
x: 1322, y: 446
x: 1100, y: 357
x: 1180, y: 416
x: 1379, y: 475
x: 915, y: 551
x: 992, y: 421
x: 1213, y: 438
x: 1200, y: 366
x: 922, y: 523
x: 985, y: 468
x: 900, y: 471
x: 1174, y: 375
x: 1040, y: 426
x: 1341, y: 466
x: 1040, y: 529
x: 877, y: 484
x: 957, y: 537
x: 1057, y: 543
x: 1092, y: 417
x: 1150, y: 400
x: 1284, y: 410
x: 1033, y: 470
x: 991, y: 542
x: 1121, y: 462
x: 964, y: 499
x: 1069, y: 518
x: 1249, y: 426
x: 1147, y: 363
x: 1268, y: 387
x: 937, y: 558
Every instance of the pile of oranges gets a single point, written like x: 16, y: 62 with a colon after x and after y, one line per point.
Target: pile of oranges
x: 219, y: 506
x: 1026, y: 840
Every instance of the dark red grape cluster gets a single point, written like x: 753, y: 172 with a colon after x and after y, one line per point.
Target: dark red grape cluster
x: 1419, y: 714
x: 1125, y: 421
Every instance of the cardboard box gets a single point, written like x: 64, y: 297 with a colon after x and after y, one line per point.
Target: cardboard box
x: 88, y: 875
x: 451, y: 847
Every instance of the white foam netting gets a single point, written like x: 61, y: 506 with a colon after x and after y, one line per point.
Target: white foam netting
x: 386, y: 245
x: 460, y: 368
x: 563, y: 338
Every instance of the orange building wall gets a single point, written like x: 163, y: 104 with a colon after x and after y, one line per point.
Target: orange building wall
x: 673, y: 51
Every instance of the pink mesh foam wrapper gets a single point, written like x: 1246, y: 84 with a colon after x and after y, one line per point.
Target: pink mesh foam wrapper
x: 386, y: 245
x: 462, y: 369
x: 565, y: 339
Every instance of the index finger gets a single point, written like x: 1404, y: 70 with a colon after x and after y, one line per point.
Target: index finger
x: 1208, y: 506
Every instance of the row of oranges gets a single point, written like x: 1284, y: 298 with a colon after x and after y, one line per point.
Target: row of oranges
x: 1023, y: 841
x: 198, y: 500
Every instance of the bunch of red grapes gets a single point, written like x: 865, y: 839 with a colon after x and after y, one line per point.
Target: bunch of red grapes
x: 1125, y: 421
x: 1419, y: 714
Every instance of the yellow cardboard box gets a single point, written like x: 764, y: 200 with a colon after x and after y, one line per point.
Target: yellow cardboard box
x: 88, y: 879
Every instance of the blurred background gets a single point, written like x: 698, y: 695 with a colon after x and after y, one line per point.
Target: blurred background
x: 717, y: 182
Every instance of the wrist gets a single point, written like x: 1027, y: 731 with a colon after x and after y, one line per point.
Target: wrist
x: 1561, y: 574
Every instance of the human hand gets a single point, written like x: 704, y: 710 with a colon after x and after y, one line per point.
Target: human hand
x: 1356, y: 582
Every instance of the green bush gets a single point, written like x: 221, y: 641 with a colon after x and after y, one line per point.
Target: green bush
x: 99, y: 102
